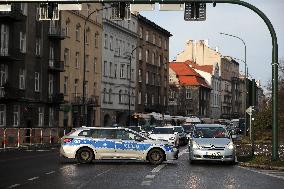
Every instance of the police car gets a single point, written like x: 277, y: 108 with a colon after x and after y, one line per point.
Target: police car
x: 89, y: 143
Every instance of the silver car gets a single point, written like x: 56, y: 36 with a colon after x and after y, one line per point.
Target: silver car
x: 211, y: 142
x: 89, y: 143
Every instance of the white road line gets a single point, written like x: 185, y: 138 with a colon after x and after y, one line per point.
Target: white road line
x: 263, y: 172
x: 14, y: 186
x: 146, y: 183
x: 150, y: 176
x: 50, y: 172
x: 158, y: 168
x: 34, y: 178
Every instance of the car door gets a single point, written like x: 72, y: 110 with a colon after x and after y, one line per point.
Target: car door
x: 129, y: 148
x: 104, y: 143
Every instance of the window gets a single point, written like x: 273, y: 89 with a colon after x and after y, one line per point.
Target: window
x: 78, y: 28
x: 147, y: 77
x: 153, y: 99
x: 154, y: 38
x: 165, y: 62
x: 95, y: 64
x: 105, y: 67
x: 96, y: 41
x: 87, y: 62
x: 50, y: 84
x: 51, y: 117
x: 24, y: 8
x: 77, y: 60
x: 166, y: 44
x: 86, y: 89
x: 3, y: 74
x: 4, y: 40
x: 67, y: 28
x: 2, y: 115
x: 153, y: 58
x: 22, y: 42
x: 66, y: 56
x: 140, y: 54
x: 76, y: 87
x: 40, y: 116
x: 110, y: 69
x: 153, y: 78
x: 65, y: 87
x: 87, y: 33
x: 139, y: 97
x: 111, y: 43
x: 22, y: 79
x: 16, y: 115
x: 106, y: 43
x: 38, y: 41
x: 141, y: 32
x: 104, y: 95
x: 51, y: 55
x: 139, y: 75
x: 147, y: 55
x: 115, y: 70
x: 160, y: 41
x: 110, y: 96
x: 147, y: 36
x: 36, y: 81
x: 120, y: 96
x: 128, y: 70
x: 122, y: 71
x: 187, y: 94
x: 146, y: 99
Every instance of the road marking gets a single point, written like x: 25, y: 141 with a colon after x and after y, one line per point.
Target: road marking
x: 265, y: 172
x: 43, y: 150
x: 50, y: 172
x: 146, y: 183
x: 67, y: 166
x: 158, y: 168
x: 84, y: 184
x: 183, y: 152
x: 150, y: 176
x: 34, y: 178
x: 14, y: 186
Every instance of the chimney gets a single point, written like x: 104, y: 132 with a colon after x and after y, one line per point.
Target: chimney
x: 217, y: 49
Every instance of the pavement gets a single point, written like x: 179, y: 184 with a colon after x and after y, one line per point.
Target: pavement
x: 41, y: 168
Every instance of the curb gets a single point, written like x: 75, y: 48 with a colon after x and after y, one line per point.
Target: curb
x: 27, y: 147
x: 267, y: 167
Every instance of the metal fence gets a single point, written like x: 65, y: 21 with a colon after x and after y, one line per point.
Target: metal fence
x: 17, y: 137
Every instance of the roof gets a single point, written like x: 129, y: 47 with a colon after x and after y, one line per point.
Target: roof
x: 205, y: 68
x: 187, y: 75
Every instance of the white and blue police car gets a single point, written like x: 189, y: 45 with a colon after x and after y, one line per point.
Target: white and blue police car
x: 93, y: 143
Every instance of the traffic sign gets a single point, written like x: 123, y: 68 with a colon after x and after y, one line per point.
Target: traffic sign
x: 250, y: 110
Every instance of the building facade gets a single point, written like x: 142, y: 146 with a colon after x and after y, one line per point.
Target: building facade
x: 80, y: 109
x: 29, y: 87
x: 152, y: 67
x: 118, y: 70
x: 191, y: 95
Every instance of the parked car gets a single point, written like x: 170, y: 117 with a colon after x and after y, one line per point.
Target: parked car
x: 211, y: 142
x: 89, y: 143
x: 188, y: 129
x: 167, y: 134
x: 183, y: 139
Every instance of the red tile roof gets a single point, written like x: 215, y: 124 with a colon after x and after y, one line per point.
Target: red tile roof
x: 205, y: 68
x: 187, y: 75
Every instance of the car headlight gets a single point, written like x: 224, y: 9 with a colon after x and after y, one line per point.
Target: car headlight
x: 195, y: 145
x: 230, y: 146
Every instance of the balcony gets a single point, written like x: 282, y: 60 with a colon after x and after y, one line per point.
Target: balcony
x: 93, y: 101
x: 8, y: 93
x: 57, y: 98
x: 56, y: 33
x: 14, y: 15
x: 55, y: 65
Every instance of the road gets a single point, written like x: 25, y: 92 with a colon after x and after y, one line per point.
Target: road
x: 46, y: 170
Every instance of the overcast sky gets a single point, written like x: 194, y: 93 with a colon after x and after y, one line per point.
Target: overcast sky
x: 231, y: 19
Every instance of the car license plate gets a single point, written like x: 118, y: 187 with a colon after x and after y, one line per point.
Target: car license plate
x: 213, y: 153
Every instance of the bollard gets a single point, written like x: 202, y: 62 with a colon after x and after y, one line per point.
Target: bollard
x: 30, y: 137
x: 41, y: 139
x: 49, y: 136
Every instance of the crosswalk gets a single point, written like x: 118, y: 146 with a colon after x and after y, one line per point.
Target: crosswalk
x: 272, y: 173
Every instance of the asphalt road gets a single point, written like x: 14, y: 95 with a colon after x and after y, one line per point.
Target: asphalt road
x: 46, y: 170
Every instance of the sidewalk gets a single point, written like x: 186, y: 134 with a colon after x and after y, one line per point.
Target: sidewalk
x: 30, y: 147
x: 259, y: 166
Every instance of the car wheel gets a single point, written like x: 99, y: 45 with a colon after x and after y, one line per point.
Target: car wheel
x: 84, y: 155
x: 156, y: 156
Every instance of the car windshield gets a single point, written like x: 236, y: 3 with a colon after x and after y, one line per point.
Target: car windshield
x: 210, y: 132
x: 179, y: 129
x: 188, y: 128
x: 163, y: 131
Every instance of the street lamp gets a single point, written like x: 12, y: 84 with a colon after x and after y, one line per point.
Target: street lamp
x: 129, y: 84
x: 245, y: 61
x: 84, y: 116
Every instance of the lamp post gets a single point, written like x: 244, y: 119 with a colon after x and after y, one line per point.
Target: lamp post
x: 245, y: 61
x: 84, y: 116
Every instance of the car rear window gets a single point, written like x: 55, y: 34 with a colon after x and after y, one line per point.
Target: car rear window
x: 85, y: 133
x: 210, y: 132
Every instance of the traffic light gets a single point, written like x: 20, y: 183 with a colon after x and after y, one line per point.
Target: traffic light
x: 195, y: 11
